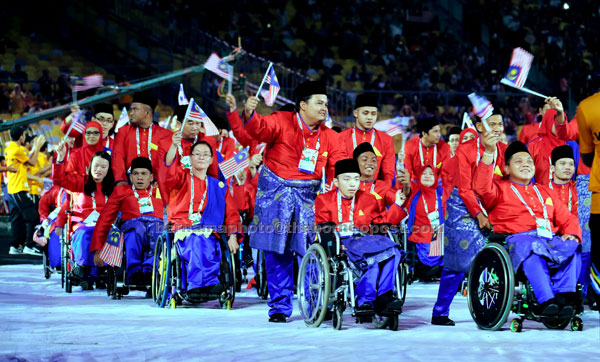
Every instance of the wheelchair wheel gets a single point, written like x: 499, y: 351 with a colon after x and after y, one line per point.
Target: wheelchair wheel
x: 491, y: 287
x: 227, y: 276
x: 401, y: 281
x: 161, y: 271
x: 313, y: 286
x: 261, y: 278
x: 337, y: 319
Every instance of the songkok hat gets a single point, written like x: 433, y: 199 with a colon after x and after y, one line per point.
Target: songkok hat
x: 348, y: 165
x: 141, y: 162
x: 513, y: 148
x: 426, y: 124
x: 309, y: 88
x: 103, y: 108
x: 564, y: 151
x: 366, y: 100
x: 145, y: 98
x: 362, y: 148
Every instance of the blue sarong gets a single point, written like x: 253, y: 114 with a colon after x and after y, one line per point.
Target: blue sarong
x: 556, y: 251
x: 364, y: 251
x: 280, y: 205
x: 584, y: 198
x: 463, y: 238
x: 140, y: 235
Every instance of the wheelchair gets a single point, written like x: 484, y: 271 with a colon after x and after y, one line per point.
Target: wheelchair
x: 494, y: 290
x: 168, y: 275
x: 326, y: 282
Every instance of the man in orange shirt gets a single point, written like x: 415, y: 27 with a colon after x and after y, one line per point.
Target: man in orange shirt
x: 588, y: 121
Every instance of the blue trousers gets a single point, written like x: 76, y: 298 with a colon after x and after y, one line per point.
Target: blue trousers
x: 563, y: 279
x: 449, y: 282
x: 139, y: 253
x: 54, y: 257
x: 280, y: 281
x: 377, y: 279
x: 80, y: 245
x: 583, y: 272
x: 201, y: 258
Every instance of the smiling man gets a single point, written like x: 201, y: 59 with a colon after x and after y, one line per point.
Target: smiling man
x: 299, y: 148
x: 533, y: 215
x: 366, y: 112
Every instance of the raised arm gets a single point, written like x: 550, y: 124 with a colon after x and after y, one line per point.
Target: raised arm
x: 261, y: 128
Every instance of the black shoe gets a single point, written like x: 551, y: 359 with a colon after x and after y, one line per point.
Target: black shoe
x: 78, y: 275
x: 442, y: 321
x: 100, y: 284
x: 364, y: 309
x: 381, y: 302
x: 395, y: 306
x: 147, y: 278
x: 216, y: 289
x: 566, y: 312
x: 278, y: 318
x: 548, y: 308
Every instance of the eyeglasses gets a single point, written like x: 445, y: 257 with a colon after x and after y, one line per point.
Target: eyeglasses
x: 105, y: 120
x: 201, y: 155
x: 92, y: 133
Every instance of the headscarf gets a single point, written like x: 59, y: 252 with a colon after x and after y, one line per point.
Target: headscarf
x: 464, y: 132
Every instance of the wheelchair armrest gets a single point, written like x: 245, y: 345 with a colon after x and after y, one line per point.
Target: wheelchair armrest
x: 328, y: 237
x: 497, y: 238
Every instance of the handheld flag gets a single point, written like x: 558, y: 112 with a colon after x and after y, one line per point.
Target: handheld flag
x: 181, y: 98
x: 123, y: 119
x: 436, y: 248
x: 238, y: 162
x: 76, y: 125
x: 196, y: 113
x: 467, y: 121
x: 482, y: 108
x: 271, y: 94
x: 218, y: 66
x: 89, y: 82
x: 112, y: 252
x: 518, y: 70
x: 260, y: 148
x: 393, y: 126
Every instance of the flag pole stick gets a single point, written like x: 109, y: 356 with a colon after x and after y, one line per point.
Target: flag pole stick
x: 264, y: 78
x: 526, y: 90
x: 70, y: 128
x: 230, y: 85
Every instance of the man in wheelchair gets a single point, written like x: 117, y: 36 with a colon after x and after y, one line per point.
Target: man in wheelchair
x: 533, y: 215
x: 141, y: 208
x: 352, y: 212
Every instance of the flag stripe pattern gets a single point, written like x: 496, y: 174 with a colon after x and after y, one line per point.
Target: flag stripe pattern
x: 196, y: 113
x: 520, y: 63
x: 481, y: 106
x: 393, y: 126
x: 181, y: 98
x: 238, y: 162
x: 218, y: 66
x: 436, y: 248
x: 274, y: 88
x: 112, y: 252
x: 89, y: 82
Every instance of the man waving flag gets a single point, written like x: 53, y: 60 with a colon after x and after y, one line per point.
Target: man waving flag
x: 271, y: 94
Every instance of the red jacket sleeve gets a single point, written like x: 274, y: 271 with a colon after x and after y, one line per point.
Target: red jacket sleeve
x: 47, y: 203
x: 393, y: 215
x: 64, y: 127
x: 484, y: 186
x: 61, y: 219
x: 567, y: 223
x: 322, y: 212
x: 118, y: 155
x: 263, y: 128
x: 568, y: 131
x: 107, y: 217
x: 70, y: 181
x: 465, y: 180
x: 232, y: 216
x: 239, y: 131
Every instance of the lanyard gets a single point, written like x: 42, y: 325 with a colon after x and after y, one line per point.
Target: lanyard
x: 354, y: 136
x: 94, y: 200
x: 220, y: 145
x: 570, y: 195
x: 137, y: 139
x: 298, y: 118
x: 339, y: 209
x: 425, y: 204
x: 137, y: 196
x: 434, y: 154
x: 479, y: 155
x: 192, y: 198
x: 527, y: 206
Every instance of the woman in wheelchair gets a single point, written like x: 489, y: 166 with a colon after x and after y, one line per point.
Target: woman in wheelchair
x: 90, y: 194
x: 353, y: 212
x: 533, y: 215
x: 199, y: 206
x: 141, y: 208
x: 427, y: 208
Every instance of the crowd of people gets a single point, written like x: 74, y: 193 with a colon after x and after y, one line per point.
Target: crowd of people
x: 143, y: 179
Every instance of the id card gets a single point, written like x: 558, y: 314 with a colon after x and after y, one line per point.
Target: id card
x: 92, y: 218
x: 185, y: 162
x: 346, y: 229
x: 308, y: 161
x: 434, y: 219
x: 145, y: 204
x: 195, y: 218
x: 543, y: 228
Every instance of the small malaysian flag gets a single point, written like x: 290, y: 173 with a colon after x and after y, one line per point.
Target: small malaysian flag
x: 271, y: 94
x: 181, y: 98
x: 520, y: 63
x: 123, y: 119
x: 197, y: 114
x: 393, y: 126
x: 467, y: 121
x: 89, y: 82
x: 481, y: 106
x: 436, y: 248
x: 238, y: 162
x: 218, y: 66
x: 112, y: 252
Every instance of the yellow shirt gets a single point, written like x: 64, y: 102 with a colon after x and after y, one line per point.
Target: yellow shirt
x: 36, y: 188
x: 588, y: 120
x: 16, y: 156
